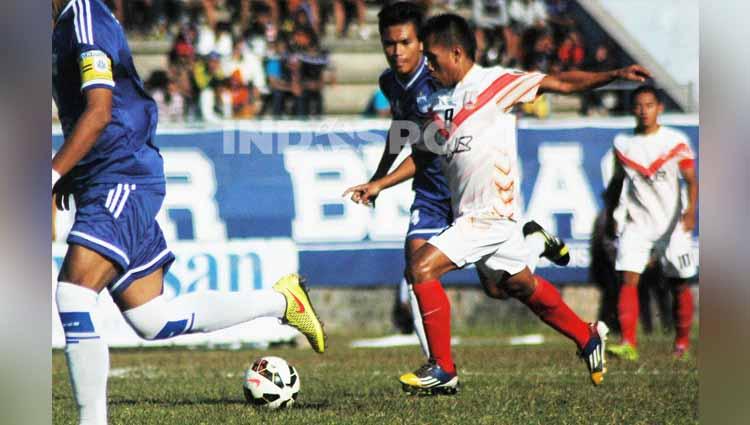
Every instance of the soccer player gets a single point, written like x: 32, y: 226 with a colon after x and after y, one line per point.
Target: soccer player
x: 654, y: 220
x: 109, y: 164
x: 479, y: 161
x: 407, y: 84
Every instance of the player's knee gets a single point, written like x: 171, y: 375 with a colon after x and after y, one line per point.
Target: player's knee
x: 518, y: 288
x: 420, y: 270
x: 151, y: 321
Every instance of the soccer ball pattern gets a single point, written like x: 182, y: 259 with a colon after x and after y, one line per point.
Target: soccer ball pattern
x: 271, y: 382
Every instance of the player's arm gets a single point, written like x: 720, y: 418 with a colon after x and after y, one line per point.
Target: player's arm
x: 390, y: 153
x: 366, y: 193
x: 578, y: 81
x: 90, y: 125
x: 688, y: 217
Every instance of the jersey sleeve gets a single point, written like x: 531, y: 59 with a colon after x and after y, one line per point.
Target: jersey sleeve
x: 96, y: 44
x: 684, y: 152
x: 515, y: 87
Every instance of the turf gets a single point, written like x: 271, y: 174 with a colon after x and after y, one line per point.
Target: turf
x: 501, y: 384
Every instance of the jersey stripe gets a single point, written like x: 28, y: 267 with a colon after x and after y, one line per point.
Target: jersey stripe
x: 483, y: 98
x: 656, y: 165
x: 82, y: 22
x: 89, y: 26
x: 75, y: 21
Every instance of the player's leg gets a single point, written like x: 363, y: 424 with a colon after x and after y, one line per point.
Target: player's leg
x: 546, y: 302
x: 633, y: 254
x: 541, y: 243
x: 683, y: 315
x: 83, y: 275
x: 154, y: 317
x: 679, y: 265
x: 439, y: 374
x: 412, y: 246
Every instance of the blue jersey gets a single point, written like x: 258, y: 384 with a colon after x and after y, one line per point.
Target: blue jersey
x: 89, y: 50
x: 409, y: 102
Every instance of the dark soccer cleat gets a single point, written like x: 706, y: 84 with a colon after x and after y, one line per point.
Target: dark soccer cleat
x: 555, y: 249
x: 593, y: 352
x: 430, y: 379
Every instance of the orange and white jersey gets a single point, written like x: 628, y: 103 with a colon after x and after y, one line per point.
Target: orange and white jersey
x: 477, y: 137
x: 651, y: 195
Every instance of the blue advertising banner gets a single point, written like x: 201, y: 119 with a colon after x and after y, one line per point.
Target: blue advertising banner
x: 282, y: 181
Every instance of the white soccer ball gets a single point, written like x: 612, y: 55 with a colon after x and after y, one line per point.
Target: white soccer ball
x: 271, y: 382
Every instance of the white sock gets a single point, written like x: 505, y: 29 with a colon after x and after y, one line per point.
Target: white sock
x: 535, y: 244
x: 418, y: 325
x: 86, y: 352
x: 203, y: 312
x: 403, y: 291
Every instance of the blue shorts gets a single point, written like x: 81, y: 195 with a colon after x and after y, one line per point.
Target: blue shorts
x: 428, y: 218
x: 118, y: 221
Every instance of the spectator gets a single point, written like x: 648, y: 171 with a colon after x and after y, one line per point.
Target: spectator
x: 342, y: 9
x: 248, y: 67
x: 167, y: 95
x: 528, y: 13
x: 262, y: 30
x: 213, y: 91
x: 559, y: 18
x: 492, y: 28
x: 308, y: 65
x: 600, y: 101
x: 215, y: 38
x: 523, y: 14
x: 571, y: 52
x: 279, y: 79
x: 538, y: 55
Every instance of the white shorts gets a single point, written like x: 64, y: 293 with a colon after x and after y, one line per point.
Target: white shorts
x: 675, y: 253
x: 494, y: 245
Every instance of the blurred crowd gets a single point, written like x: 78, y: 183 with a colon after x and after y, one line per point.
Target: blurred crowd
x: 247, y: 58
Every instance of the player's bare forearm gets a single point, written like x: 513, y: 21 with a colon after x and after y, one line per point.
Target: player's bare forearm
x: 386, y: 160
x: 90, y: 125
x: 692, y: 185
x: 403, y: 172
x: 691, y: 180
x: 578, y: 81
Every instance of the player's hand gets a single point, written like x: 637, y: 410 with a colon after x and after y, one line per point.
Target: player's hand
x: 633, y: 73
x: 688, y: 220
x: 364, y: 194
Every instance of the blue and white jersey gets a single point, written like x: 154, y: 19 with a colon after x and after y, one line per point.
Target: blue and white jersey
x: 89, y: 50
x: 409, y: 101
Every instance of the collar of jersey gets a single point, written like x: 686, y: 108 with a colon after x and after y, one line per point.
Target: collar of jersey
x: 413, y: 76
x: 469, y: 75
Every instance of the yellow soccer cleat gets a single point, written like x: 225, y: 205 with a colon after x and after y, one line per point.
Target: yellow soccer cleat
x: 299, y: 311
x: 624, y: 351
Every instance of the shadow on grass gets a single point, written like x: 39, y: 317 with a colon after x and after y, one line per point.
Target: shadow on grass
x: 307, y: 405
x: 158, y: 402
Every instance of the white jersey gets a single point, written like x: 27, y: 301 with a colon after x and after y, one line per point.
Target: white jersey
x: 478, y: 139
x: 651, y: 195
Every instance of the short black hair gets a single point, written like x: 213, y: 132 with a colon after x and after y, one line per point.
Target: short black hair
x: 449, y: 30
x: 646, y: 88
x: 399, y: 13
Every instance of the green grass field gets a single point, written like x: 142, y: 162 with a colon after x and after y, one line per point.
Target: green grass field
x: 501, y: 384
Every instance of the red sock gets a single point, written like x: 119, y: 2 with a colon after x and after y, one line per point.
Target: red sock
x: 683, y: 316
x: 627, y: 312
x: 436, y: 317
x: 547, y: 303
